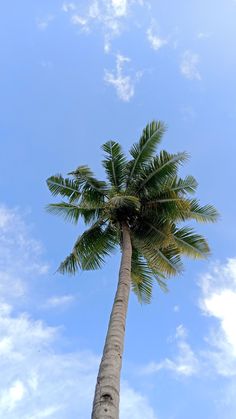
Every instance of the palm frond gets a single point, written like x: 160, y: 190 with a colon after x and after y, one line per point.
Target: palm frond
x: 190, y: 243
x: 158, y: 246
x: 146, y: 147
x: 90, y: 249
x: 65, y: 187
x: 114, y: 163
x: 148, y: 195
x: 141, y: 277
x: 124, y: 201
x: 162, y: 166
x: 155, y: 230
x: 177, y: 185
x: 70, y: 265
x: 71, y: 212
x: 87, y: 181
x: 122, y: 207
x: 165, y: 210
x: 166, y: 260
x: 202, y: 214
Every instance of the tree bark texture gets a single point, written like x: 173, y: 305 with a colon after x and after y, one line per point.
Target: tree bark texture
x: 107, y: 392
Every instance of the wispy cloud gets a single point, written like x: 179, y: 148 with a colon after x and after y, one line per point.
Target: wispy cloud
x: 37, y: 380
x: 108, y: 15
x: 11, y: 396
x: 119, y: 7
x: 59, y: 301
x: 154, y: 38
x: 219, y: 302
x: 134, y: 405
x: 123, y: 83
x: 20, y: 255
x: 43, y: 23
x: 76, y: 19
x: 189, y: 65
x: 185, y: 362
x: 217, y: 355
x: 203, y: 35
x: 67, y: 7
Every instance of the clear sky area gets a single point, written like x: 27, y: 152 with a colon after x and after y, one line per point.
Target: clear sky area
x: 74, y: 75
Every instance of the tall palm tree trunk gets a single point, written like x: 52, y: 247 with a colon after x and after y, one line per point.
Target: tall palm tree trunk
x: 107, y: 392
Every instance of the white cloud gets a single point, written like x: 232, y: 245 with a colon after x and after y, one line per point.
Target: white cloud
x: 20, y: 255
x: 38, y: 380
x: 94, y: 10
x: 67, y: 7
x: 219, y: 302
x: 218, y: 354
x: 155, y: 40
x: 110, y: 16
x: 5, y: 218
x: 124, y: 84
x: 43, y: 23
x: 59, y: 301
x: 189, y: 66
x: 78, y: 20
x: 52, y: 382
x: 203, y: 35
x: 134, y: 405
x: 222, y: 305
x: 119, y: 7
x: 185, y: 362
x: 11, y: 396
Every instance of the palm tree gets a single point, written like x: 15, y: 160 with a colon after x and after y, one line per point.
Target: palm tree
x: 138, y: 209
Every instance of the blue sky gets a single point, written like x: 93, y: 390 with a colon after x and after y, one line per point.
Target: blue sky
x: 74, y: 75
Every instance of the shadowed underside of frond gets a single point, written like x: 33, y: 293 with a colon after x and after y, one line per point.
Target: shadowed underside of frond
x: 90, y: 249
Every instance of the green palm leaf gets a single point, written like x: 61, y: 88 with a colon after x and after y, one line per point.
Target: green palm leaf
x: 147, y: 195
x: 90, y: 249
x: 65, y: 187
x: 155, y: 231
x: 159, y: 169
x: 71, y: 212
x: 202, y: 214
x: 177, y: 185
x: 163, y: 259
x: 146, y: 147
x: 114, y: 163
x: 142, y: 278
x: 87, y: 181
x: 166, y: 210
x: 190, y: 243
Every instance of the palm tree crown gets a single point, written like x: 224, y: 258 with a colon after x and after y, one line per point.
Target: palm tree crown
x: 144, y: 192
